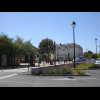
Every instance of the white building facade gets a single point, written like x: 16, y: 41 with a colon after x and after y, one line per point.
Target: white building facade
x: 64, y: 51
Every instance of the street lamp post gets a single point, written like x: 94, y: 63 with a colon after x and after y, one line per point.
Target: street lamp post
x: 73, y: 25
x: 60, y: 53
x: 96, y: 46
x: 55, y: 53
x: 99, y: 48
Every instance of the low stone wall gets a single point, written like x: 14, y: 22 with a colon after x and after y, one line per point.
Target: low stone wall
x: 36, y: 70
x: 67, y: 65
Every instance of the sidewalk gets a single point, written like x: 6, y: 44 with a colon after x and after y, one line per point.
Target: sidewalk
x: 48, y: 64
x: 15, y: 70
x: 21, y: 70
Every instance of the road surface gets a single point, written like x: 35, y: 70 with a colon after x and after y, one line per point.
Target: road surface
x: 22, y: 78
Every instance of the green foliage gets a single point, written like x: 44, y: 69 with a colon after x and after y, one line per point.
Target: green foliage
x: 87, y: 66
x: 18, y: 46
x: 27, y: 48
x: 94, y: 56
x: 46, y: 47
x: 77, y: 71
x: 89, y: 55
x: 84, y: 65
x: 6, y: 47
x: 98, y: 55
x: 5, y: 44
x: 56, y: 71
x: 14, y: 49
x: 85, y: 54
x: 62, y: 70
x: 48, y: 56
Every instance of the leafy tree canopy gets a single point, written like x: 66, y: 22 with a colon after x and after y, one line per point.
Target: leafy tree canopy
x: 46, y: 47
x: 14, y: 48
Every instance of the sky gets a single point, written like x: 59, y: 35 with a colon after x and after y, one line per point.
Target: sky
x: 36, y: 26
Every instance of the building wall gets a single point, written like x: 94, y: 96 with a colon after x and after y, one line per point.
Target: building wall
x: 68, y: 49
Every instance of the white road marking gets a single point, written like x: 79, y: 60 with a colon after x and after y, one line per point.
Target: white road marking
x: 8, y: 76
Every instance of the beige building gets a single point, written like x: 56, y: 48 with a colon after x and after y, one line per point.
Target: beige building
x: 64, y: 51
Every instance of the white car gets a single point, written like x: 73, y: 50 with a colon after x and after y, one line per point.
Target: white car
x: 97, y: 61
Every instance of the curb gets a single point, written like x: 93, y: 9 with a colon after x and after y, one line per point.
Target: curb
x: 28, y: 73
x: 64, y: 74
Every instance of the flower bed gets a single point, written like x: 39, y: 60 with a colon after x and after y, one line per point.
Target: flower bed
x: 62, y: 71
x: 56, y: 70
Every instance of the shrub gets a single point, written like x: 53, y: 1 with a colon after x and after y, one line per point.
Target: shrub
x: 87, y: 65
x: 95, y: 66
x: 62, y: 70
x: 84, y: 65
x: 77, y: 71
x: 56, y: 71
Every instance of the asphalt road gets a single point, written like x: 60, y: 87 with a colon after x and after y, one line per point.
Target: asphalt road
x: 22, y: 78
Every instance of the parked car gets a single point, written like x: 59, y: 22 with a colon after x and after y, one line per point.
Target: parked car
x: 77, y: 60
x: 82, y: 59
x: 97, y: 61
x: 92, y: 60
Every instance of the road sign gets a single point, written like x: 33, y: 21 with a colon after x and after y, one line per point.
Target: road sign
x: 68, y: 53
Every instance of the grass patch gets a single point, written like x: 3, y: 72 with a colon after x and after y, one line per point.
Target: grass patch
x: 87, y: 65
x: 84, y: 65
x: 62, y: 71
x: 77, y: 71
x: 56, y: 71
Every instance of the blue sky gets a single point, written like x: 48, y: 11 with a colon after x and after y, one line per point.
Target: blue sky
x: 36, y: 26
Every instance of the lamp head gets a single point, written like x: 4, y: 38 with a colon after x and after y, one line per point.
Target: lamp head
x: 95, y: 38
x: 73, y: 24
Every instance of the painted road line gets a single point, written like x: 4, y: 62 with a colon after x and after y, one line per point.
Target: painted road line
x: 8, y: 76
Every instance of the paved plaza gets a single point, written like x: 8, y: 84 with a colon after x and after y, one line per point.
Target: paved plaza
x: 22, y: 78
x: 47, y: 64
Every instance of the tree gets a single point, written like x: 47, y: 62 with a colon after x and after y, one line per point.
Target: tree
x: 98, y: 55
x: 85, y: 54
x: 23, y: 49
x: 6, y: 47
x: 94, y: 56
x: 17, y: 50
x: 88, y: 55
x: 28, y: 50
x: 46, y: 47
x: 14, y: 49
